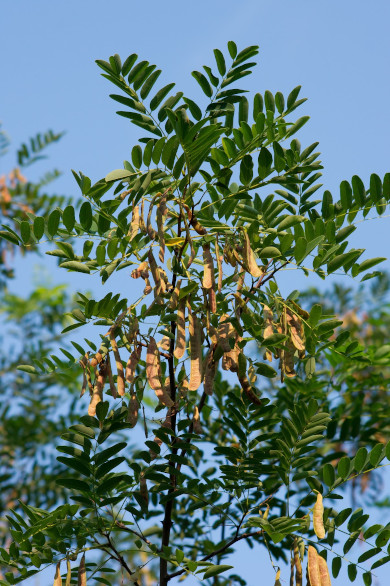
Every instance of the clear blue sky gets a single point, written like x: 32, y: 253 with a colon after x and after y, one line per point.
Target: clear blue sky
x: 337, y: 50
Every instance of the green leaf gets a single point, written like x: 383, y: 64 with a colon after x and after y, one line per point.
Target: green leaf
x: 344, y: 467
x: 202, y: 81
x: 359, y: 192
x: 220, y: 59
x: 119, y: 174
x: 215, y: 570
x: 68, y: 218
x: 158, y: 98
x: 370, y: 262
x: 360, y: 459
x: 25, y: 231
x: 86, y: 215
x: 39, y: 227
x: 74, y: 265
x: 265, y: 370
x: 73, y: 484
x: 149, y: 83
x: 53, y: 222
x: 269, y: 252
x: 232, y: 48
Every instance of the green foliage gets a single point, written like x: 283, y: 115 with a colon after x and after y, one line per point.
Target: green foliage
x: 221, y: 193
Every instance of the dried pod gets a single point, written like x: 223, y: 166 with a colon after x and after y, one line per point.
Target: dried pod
x: 132, y: 413
x: 219, y: 265
x: 224, y: 332
x: 134, y: 226
x: 149, y: 228
x: 249, y: 258
x: 153, y: 373
x: 174, y: 299
x: 82, y: 576
x: 148, y: 288
x: 297, y: 564
x: 196, y: 422
x: 181, y: 330
x: 143, y: 489
x: 164, y: 343
x: 97, y: 394
x: 252, y: 374
x: 208, y: 268
x: 141, y: 271
x: 164, y: 394
x: 277, y: 579
x: 132, y: 364
x: 246, y: 387
x: 111, y: 381
x: 212, y: 301
x: 318, y: 517
x: 160, y: 219
x: 209, y: 374
x: 120, y: 379
x: 142, y: 226
x: 324, y: 571
x: 313, y: 568
x: 196, y: 352
x: 57, y: 576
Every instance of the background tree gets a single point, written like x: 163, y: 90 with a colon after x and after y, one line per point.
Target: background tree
x: 210, y: 209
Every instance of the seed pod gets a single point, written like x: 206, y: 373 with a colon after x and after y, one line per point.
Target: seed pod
x: 142, y: 226
x: 181, y: 330
x: 297, y: 564
x: 212, y: 301
x: 249, y: 258
x: 174, y: 299
x: 164, y: 344
x: 277, y: 579
x: 246, y: 387
x: 153, y: 373
x: 313, y: 568
x: 149, y: 228
x: 209, y: 375
x: 120, y: 379
x: 132, y: 364
x: 208, y: 268
x: 68, y: 573
x: 144, y: 489
x: 296, y: 331
x: 97, y: 394
x: 324, y: 571
x: 318, y: 517
x: 134, y: 226
x: 148, y: 288
x: 219, y: 265
x: 160, y: 219
x: 164, y: 394
x: 82, y: 576
x: 132, y: 413
x: 196, y: 352
x: 225, y: 330
x: 196, y: 422
x: 57, y: 576
x: 113, y: 390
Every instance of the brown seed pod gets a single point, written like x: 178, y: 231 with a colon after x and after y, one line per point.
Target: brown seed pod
x: 246, y: 387
x: 97, y: 395
x: 143, y: 488
x: 208, y: 268
x: 82, y: 576
x: 196, y: 422
x: 180, y: 330
x: 57, y: 575
x: 297, y: 564
x: 313, y: 568
x: 164, y: 394
x: 120, y: 379
x: 219, y: 265
x: 142, y: 226
x: 134, y: 226
x: 277, y: 579
x: 249, y: 258
x: 149, y: 228
x: 318, y: 517
x: 148, y: 288
x: 132, y: 413
x: 164, y: 344
x: 195, y: 331
x: 224, y: 332
x: 212, y: 301
x: 141, y: 271
x: 296, y: 330
x: 132, y: 364
x: 324, y: 571
x: 153, y: 373
x: 160, y: 219
x: 209, y: 375
x: 111, y: 381
x: 174, y: 299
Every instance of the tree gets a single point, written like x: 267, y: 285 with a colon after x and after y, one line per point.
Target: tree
x: 251, y: 441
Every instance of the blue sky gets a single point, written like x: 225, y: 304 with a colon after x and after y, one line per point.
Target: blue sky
x: 337, y: 50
